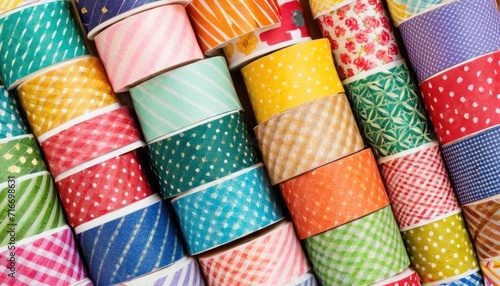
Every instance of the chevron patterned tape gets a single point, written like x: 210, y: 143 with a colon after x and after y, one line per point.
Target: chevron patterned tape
x: 402, y: 10
x: 58, y: 39
x: 184, y: 96
x: 474, y: 279
x: 218, y: 22
x: 440, y: 249
x: 202, y: 154
x: 103, y: 188
x: 90, y: 139
x: 274, y: 257
x: 418, y: 186
x: 20, y: 156
x: 50, y: 258
x: 361, y: 252
x: 64, y: 93
x: 227, y: 209
x: 135, y: 244
x: 483, y: 220
x: 334, y: 194
x: 131, y: 56
x: 473, y: 165
x: 307, y: 279
x: 444, y: 37
x: 11, y: 121
x: 491, y: 272
x: 36, y: 207
x: 389, y: 111
x: 320, y: 7
x: 286, y: 141
x: 291, y: 77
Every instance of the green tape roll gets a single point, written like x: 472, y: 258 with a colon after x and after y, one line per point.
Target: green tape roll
x: 202, y: 154
x: 11, y: 121
x: 35, y: 37
x: 389, y: 111
x: 19, y: 157
x: 361, y: 252
x: 29, y: 207
x: 184, y: 96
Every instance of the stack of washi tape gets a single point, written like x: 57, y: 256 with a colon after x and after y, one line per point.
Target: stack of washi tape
x: 453, y: 47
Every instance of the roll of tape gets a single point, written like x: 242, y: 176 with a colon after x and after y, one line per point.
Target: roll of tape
x: 491, y: 272
x: 8, y: 5
x: 274, y: 257
x: 402, y: 10
x: 290, y: 77
x: 464, y: 99
x: 216, y: 23
x: 407, y: 278
x: 483, y: 219
x: 84, y: 282
x: 98, y: 15
x: 11, y: 121
x: 360, y: 46
x: 142, y: 239
x: 58, y: 39
x: 65, y: 92
x: 227, y: 209
x: 440, y: 249
x: 293, y: 30
x: 202, y: 154
x: 307, y: 137
x: 474, y: 279
x: 307, y: 279
x: 320, y: 7
x: 317, y: 199
x: 389, y: 111
x: 131, y: 56
x: 20, y: 156
x: 103, y: 188
x: 361, y: 252
x: 184, y: 96
x: 443, y: 37
x: 50, y: 258
x: 90, y: 139
x: 418, y: 186
x: 29, y: 205
x: 473, y: 165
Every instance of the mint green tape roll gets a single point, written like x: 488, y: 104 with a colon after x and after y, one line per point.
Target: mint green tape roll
x: 35, y: 37
x: 184, y: 96
x: 361, y: 252
x: 20, y: 156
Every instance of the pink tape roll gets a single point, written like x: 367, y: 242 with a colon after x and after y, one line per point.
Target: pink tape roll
x: 147, y: 44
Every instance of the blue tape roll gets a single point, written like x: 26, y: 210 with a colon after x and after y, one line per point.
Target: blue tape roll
x: 475, y: 279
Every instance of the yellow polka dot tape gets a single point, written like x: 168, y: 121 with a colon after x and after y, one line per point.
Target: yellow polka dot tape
x: 440, y: 249
x: 290, y: 77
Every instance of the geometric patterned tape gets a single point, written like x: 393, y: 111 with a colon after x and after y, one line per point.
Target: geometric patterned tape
x: 491, y: 272
x: 401, y: 10
x: 11, y: 121
x: 308, y: 279
x: 320, y: 7
x: 474, y: 279
x: 20, y: 157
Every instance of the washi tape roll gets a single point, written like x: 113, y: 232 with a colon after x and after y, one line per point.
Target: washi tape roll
x: 473, y: 279
x: 202, y: 154
x: 440, y: 249
x: 402, y: 10
x: 227, y: 209
x: 65, y: 92
x: 7, y: 5
x: 20, y: 156
x: 181, y: 273
x: 58, y: 39
x: 473, y: 166
x: 361, y: 37
x: 131, y: 56
x: 406, y: 278
x: 90, y: 139
x: 309, y: 136
x: 317, y: 199
x: 464, y: 99
x: 11, y: 121
x: 216, y: 23
x: 483, y: 219
x: 103, y: 188
x: 444, y: 37
x: 29, y: 205
x: 130, y: 242
x: 273, y: 257
x: 184, y: 96
x: 320, y: 7
x: 491, y: 272
x: 50, y: 258
x: 97, y: 15
x: 418, y: 186
x: 290, y: 77
x: 361, y: 252
x: 293, y: 30
x: 388, y: 109
x: 307, y: 279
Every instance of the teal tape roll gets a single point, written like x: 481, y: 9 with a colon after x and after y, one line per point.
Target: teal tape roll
x: 11, y: 122
x: 184, y: 96
x: 20, y: 156
x: 35, y: 37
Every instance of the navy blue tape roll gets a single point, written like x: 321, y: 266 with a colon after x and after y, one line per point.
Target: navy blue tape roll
x: 474, y: 165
